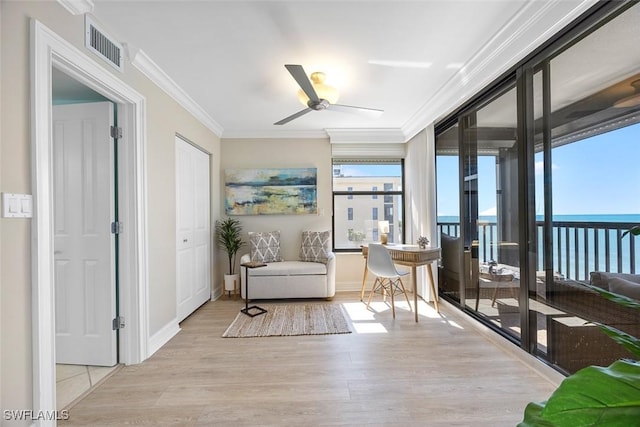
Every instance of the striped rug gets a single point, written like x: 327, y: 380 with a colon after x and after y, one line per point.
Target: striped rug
x: 293, y: 319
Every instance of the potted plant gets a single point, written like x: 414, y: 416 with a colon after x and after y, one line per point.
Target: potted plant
x: 596, y: 395
x: 229, y: 235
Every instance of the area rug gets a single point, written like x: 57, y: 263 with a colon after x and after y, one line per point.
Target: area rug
x: 292, y: 319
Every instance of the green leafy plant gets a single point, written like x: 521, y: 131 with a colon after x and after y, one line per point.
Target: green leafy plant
x: 356, y: 236
x: 229, y: 235
x: 596, y: 396
x: 593, y: 396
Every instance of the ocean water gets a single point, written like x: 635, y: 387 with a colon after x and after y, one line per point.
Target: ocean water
x: 630, y: 218
x: 575, y: 254
x: 625, y: 218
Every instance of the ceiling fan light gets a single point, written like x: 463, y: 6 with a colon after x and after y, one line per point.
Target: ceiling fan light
x: 632, y: 100
x: 322, y: 90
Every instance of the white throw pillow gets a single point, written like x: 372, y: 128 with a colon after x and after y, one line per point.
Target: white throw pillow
x: 316, y: 246
x: 265, y: 246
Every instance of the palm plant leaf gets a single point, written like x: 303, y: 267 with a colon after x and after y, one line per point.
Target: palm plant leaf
x: 629, y: 342
x: 229, y: 236
x: 617, y: 298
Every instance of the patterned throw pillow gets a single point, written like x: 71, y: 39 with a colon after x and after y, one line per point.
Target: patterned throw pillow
x: 316, y: 246
x: 265, y: 246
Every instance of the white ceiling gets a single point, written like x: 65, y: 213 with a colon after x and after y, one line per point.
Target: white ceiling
x: 226, y: 58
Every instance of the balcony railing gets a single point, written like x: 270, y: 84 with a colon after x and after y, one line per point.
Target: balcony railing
x: 579, y: 247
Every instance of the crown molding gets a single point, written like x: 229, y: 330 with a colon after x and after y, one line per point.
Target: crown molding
x: 336, y: 136
x: 77, y: 7
x: 367, y: 136
x: 527, y: 30
x: 145, y: 64
x: 274, y: 134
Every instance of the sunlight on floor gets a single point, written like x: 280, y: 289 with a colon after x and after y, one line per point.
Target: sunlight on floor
x: 357, y: 311
x: 365, y: 321
x: 454, y: 324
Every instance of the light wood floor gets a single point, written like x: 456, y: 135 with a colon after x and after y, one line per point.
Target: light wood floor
x: 439, y: 372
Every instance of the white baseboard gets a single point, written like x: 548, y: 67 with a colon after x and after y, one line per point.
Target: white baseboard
x: 162, y: 337
x: 348, y: 286
x: 217, y: 293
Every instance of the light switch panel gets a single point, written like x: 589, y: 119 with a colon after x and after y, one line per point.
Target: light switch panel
x: 17, y: 205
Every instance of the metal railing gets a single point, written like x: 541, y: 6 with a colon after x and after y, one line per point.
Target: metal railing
x: 579, y: 247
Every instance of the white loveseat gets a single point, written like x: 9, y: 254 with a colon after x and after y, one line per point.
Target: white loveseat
x: 313, y: 275
x: 291, y: 279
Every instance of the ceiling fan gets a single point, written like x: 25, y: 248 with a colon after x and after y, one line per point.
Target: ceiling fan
x: 317, y: 95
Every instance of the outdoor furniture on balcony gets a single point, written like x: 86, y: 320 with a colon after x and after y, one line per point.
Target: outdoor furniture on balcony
x: 574, y: 347
x: 496, y: 276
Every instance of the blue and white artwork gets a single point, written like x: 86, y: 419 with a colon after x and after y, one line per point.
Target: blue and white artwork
x: 275, y: 191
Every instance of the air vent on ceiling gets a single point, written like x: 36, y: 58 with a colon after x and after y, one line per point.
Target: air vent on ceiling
x: 102, y: 45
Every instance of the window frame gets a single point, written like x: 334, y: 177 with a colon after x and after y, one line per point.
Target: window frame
x: 373, y: 194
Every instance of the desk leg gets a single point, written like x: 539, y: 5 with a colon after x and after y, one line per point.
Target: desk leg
x: 415, y: 290
x: 364, y: 280
x: 433, y: 288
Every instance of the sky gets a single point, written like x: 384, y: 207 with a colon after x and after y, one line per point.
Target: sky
x: 372, y: 170
x: 597, y: 175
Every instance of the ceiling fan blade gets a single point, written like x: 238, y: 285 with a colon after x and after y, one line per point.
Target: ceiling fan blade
x: 293, y: 116
x: 351, y: 109
x: 303, y: 81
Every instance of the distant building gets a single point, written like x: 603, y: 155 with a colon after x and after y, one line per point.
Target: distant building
x: 356, y: 216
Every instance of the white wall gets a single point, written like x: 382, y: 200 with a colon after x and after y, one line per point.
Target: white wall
x: 165, y: 117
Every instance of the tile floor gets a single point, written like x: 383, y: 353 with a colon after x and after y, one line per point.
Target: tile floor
x: 74, y: 381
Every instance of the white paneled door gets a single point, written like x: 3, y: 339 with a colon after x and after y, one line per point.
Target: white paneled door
x: 193, y: 228
x: 84, y: 247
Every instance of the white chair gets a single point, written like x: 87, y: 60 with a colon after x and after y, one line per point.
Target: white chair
x: 388, y: 278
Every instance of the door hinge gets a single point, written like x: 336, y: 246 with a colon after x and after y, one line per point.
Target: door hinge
x: 116, y: 227
x: 118, y: 323
x: 116, y: 132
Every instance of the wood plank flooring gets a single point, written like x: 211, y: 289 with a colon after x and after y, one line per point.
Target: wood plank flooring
x: 439, y: 372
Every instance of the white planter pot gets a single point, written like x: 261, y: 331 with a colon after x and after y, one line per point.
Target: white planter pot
x: 231, y: 282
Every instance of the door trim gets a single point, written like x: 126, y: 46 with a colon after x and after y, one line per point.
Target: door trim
x: 48, y: 50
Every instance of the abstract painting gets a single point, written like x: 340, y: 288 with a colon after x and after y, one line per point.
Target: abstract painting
x: 274, y: 191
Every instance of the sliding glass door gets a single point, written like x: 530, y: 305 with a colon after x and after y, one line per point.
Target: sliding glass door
x: 587, y: 151
x: 489, y: 210
x: 546, y: 168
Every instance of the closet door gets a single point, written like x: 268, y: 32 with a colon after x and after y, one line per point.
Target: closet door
x: 193, y: 228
